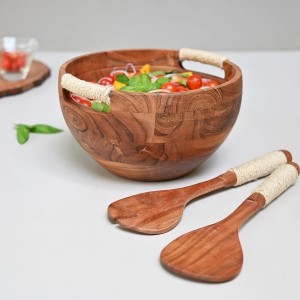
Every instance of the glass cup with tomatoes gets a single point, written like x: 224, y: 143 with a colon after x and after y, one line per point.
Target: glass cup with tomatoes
x: 16, y: 55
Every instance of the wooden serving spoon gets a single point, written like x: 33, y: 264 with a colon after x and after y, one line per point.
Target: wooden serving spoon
x: 160, y: 211
x: 213, y: 253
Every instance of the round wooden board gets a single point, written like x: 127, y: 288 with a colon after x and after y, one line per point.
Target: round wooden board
x: 37, y: 75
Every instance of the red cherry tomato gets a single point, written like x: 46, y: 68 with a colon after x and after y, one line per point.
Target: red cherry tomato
x: 211, y: 83
x: 106, y: 81
x: 169, y: 86
x: 21, y: 60
x: 194, y: 82
x: 111, y: 77
x: 14, y: 66
x: 6, y: 55
x: 6, y: 64
x: 181, y: 88
x: 81, y: 100
x: 13, y: 61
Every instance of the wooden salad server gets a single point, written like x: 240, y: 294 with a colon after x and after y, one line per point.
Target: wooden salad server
x: 213, y: 253
x: 160, y: 211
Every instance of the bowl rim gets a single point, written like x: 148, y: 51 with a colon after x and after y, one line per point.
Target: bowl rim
x: 232, y: 72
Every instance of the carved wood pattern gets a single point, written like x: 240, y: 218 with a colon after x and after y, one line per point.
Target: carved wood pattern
x: 151, y: 136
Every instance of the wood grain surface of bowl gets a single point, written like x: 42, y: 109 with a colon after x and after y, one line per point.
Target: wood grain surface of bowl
x: 151, y: 136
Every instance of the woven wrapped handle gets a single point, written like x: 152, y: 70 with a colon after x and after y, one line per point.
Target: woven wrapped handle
x: 261, y: 166
x: 281, y: 179
x: 87, y: 89
x: 202, y: 56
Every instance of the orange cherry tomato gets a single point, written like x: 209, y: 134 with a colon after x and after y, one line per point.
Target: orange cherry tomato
x: 169, y: 86
x: 194, y: 82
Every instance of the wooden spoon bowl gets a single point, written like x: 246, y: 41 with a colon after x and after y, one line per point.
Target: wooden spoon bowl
x: 214, y: 253
x: 151, y: 136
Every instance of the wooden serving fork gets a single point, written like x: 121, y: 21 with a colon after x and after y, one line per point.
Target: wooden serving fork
x: 160, y: 211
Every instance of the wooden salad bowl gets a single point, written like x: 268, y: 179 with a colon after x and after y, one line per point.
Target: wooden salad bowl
x: 151, y: 136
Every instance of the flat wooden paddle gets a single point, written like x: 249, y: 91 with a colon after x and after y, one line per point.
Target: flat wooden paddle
x: 213, y: 253
x: 160, y: 211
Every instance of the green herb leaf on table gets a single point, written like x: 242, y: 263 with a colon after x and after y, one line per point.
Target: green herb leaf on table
x: 45, y: 129
x: 24, y: 130
x: 22, y: 134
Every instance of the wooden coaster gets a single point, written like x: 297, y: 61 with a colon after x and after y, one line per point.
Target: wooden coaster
x: 37, y: 75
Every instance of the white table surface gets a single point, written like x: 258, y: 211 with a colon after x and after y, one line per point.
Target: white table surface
x: 57, y: 242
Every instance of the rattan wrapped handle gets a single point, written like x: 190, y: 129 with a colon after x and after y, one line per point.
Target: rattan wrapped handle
x: 87, y: 89
x: 261, y: 166
x: 281, y: 179
x: 204, y: 57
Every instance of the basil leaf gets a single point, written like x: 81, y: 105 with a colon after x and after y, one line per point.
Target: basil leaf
x: 22, y: 134
x: 183, y: 83
x: 184, y: 75
x: 122, y: 78
x: 100, y: 107
x: 162, y: 80
x: 170, y: 72
x: 156, y: 73
x: 130, y: 88
x: 41, y: 128
x: 153, y: 86
x: 143, y: 80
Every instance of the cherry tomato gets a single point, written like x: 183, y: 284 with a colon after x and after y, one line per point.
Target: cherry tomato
x: 13, y: 61
x: 106, y: 81
x: 211, y: 83
x: 21, y: 60
x: 181, y: 88
x: 14, y: 66
x: 81, y: 100
x: 111, y: 77
x: 169, y: 86
x: 194, y: 82
x: 6, y: 55
x: 6, y: 64
x: 14, y: 55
